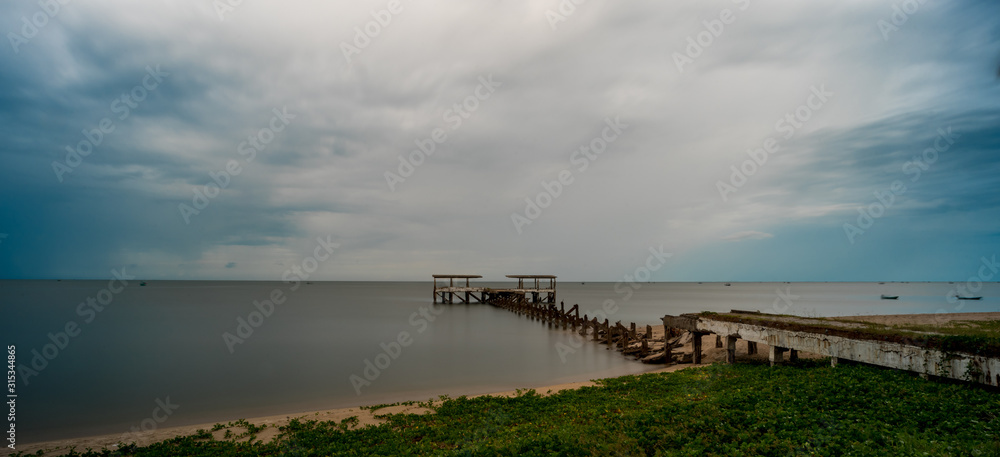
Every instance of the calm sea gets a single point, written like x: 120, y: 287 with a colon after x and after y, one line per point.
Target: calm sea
x: 159, y: 354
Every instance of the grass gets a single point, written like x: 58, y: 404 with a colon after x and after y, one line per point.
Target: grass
x: 805, y: 408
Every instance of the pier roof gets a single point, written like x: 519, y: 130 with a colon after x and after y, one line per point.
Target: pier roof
x: 457, y: 276
x: 532, y: 276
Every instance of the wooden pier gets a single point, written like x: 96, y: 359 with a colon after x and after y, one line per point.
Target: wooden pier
x: 532, y: 293
x: 535, y: 298
x: 629, y: 340
x: 465, y: 294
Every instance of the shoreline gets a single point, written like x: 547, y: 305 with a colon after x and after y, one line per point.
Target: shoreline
x: 365, y: 417
x: 711, y: 354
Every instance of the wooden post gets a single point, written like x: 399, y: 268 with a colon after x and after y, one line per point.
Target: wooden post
x: 649, y: 332
x: 731, y: 349
x: 596, y: 329
x: 607, y: 332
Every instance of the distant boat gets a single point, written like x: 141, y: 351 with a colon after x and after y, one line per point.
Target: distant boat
x: 142, y: 283
x: 890, y: 297
x: 968, y: 298
x: 728, y: 284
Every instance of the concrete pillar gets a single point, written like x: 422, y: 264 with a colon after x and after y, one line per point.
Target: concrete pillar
x: 696, y: 343
x: 776, y: 355
x: 833, y: 362
x: 731, y: 349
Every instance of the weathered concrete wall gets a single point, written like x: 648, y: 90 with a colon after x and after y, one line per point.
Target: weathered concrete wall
x: 953, y: 365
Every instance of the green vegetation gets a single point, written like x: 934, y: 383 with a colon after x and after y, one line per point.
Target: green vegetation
x: 742, y: 409
x: 983, y: 336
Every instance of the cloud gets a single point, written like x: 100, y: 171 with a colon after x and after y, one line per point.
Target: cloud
x: 748, y: 235
x: 324, y: 173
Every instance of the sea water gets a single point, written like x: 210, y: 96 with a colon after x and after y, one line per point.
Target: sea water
x: 174, y: 353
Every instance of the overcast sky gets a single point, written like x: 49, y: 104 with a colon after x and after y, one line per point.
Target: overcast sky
x: 626, y: 124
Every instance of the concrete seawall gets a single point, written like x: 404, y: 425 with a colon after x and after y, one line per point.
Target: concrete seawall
x: 910, y: 357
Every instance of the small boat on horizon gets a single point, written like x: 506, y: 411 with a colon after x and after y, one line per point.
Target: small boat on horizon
x: 890, y: 297
x: 968, y: 298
